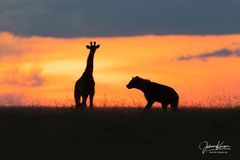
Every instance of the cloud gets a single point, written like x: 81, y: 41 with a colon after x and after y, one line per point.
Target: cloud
x: 220, y: 53
x: 9, y: 49
x: 15, y: 77
x: 74, y: 18
x: 11, y: 45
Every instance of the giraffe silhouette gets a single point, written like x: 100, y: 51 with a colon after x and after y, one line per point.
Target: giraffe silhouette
x: 85, y: 85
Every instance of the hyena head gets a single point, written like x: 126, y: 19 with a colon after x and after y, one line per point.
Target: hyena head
x: 134, y: 83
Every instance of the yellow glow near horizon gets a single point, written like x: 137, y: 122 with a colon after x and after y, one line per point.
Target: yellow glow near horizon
x: 45, y: 69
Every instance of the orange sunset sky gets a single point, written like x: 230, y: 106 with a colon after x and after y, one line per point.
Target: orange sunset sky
x: 43, y: 70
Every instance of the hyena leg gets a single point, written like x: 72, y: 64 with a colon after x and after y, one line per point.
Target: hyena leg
x: 164, y: 106
x: 149, y: 105
x: 174, y: 105
x: 84, y: 100
x: 91, y: 100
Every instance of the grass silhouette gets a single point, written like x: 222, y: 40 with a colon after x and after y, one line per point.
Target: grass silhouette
x: 115, y: 133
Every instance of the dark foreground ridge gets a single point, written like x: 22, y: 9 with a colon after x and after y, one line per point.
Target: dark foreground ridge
x: 116, y: 133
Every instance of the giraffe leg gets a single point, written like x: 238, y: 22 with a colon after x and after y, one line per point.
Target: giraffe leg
x: 77, y: 100
x: 91, y: 101
x: 84, y: 100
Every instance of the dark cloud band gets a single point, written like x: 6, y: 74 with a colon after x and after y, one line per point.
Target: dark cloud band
x: 74, y: 18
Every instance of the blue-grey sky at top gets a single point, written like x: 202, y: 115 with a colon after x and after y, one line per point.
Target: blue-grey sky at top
x: 83, y: 18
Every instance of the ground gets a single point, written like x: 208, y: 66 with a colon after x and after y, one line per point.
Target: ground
x: 116, y: 133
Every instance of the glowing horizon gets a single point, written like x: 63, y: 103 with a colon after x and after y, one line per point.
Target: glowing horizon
x: 43, y: 70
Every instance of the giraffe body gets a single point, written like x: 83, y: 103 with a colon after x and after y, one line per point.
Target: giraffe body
x: 85, y: 85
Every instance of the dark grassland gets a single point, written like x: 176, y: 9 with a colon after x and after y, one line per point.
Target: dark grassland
x: 116, y: 133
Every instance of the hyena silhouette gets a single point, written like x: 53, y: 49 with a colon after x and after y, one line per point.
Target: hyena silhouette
x: 85, y: 86
x: 155, y: 92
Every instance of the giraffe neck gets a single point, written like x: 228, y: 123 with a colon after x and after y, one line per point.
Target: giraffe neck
x: 89, y: 68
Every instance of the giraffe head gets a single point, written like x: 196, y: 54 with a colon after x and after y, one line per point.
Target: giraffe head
x: 93, y: 46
